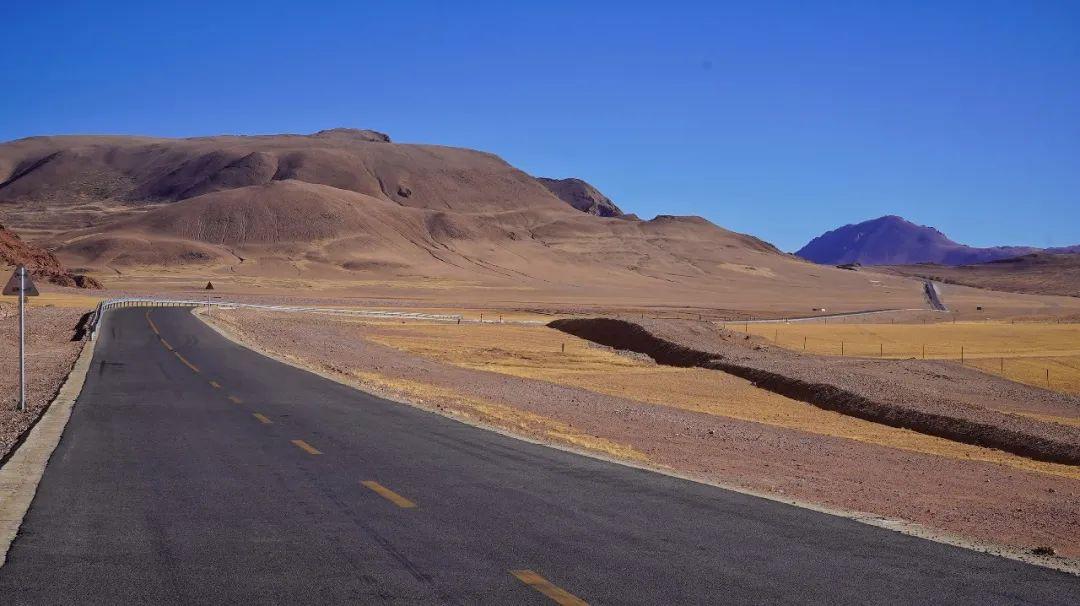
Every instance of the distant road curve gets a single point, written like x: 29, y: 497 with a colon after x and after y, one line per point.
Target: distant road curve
x: 934, y: 295
x: 850, y: 314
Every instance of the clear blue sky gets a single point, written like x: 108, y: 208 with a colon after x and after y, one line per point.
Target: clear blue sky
x: 780, y: 119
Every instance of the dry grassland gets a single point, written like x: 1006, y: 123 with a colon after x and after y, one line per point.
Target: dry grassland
x: 537, y: 353
x: 64, y: 299
x: 1022, y: 352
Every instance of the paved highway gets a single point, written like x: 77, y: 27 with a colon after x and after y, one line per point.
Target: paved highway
x: 196, y: 471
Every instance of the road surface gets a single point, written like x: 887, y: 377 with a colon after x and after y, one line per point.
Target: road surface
x: 196, y: 471
x: 933, y: 294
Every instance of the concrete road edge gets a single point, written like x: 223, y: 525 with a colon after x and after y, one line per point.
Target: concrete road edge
x: 20, y: 475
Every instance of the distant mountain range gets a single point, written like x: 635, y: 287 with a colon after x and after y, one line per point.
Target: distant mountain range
x: 892, y: 240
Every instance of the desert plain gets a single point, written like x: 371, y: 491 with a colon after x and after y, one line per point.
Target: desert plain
x: 668, y: 343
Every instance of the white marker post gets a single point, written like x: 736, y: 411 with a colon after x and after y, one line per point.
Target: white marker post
x: 22, y: 286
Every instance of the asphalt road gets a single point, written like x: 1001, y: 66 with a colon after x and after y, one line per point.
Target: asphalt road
x: 178, y: 481
x: 934, y: 296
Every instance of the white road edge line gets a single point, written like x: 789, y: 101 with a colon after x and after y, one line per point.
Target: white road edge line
x: 20, y: 475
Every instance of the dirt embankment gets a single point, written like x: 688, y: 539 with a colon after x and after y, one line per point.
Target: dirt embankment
x: 51, y: 352
x: 40, y: 262
x: 934, y: 398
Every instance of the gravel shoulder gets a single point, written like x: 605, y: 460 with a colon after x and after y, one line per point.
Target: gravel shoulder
x: 965, y: 501
x: 51, y: 352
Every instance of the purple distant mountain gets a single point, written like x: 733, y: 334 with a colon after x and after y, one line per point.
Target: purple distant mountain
x: 892, y: 240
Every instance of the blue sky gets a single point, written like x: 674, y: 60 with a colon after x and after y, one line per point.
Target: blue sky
x: 781, y: 119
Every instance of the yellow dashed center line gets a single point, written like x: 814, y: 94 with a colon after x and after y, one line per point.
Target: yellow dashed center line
x: 306, y: 447
x: 215, y: 384
x: 389, y: 495
x: 185, y: 361
x: 235, y: 400
x: 153, y: 326
x: 544, y: 586
x: 262, y: 418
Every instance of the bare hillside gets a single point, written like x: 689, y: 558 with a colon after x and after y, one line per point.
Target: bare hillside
x: 40, y: 263
x: 347, y: 205
x: 1038, y: 273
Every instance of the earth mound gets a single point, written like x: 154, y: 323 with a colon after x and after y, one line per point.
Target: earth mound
x: 41, y: 263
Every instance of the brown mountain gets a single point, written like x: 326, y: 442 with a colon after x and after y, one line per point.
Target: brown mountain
x: 893, y: 240
x: 349, y: 205
x: 582, y: 196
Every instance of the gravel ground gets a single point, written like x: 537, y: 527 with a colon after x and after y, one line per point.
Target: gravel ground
x: 50, y: 355
x: 977, y: 500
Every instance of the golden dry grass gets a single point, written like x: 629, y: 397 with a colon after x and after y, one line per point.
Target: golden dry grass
x: 60, y: 299
x: 537, y: 353
x: 1021, y: 352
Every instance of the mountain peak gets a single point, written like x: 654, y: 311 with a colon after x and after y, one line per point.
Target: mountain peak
x: 582, y: 196
x: 893, y: 240
x: 354, y: 133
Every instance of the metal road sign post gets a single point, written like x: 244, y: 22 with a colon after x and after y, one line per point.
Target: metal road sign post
x: 21, y: 285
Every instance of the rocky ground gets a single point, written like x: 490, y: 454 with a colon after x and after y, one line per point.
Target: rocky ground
x: 50, y: 354
x: 982, y: 501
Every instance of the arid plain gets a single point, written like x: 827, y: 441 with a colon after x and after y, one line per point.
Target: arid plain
x: 981, y: 451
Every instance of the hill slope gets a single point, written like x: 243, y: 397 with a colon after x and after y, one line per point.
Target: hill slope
x: 347, y: 206
x: 582, y: 196
x: 41, y: 263
x: 1038, y: 273
x: 892, y: 240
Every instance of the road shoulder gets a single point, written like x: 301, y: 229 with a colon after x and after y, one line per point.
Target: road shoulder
x: 21, y: 474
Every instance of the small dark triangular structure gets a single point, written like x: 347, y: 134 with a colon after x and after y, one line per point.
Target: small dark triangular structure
x: 12, y: 286
x: 209, y: 286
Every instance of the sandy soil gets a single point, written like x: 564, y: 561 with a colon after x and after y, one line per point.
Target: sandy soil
x: 50, y: 355
x: 978, y: 499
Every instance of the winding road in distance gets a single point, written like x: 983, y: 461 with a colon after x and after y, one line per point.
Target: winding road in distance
x: 196, y: 471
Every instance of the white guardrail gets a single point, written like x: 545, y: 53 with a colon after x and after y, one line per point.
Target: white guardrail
x: 105, y: 306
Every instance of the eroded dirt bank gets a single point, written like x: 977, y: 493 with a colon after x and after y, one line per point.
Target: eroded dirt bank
x: 931, y: 397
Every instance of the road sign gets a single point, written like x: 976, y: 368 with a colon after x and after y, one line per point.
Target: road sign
x: 12, y: 287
